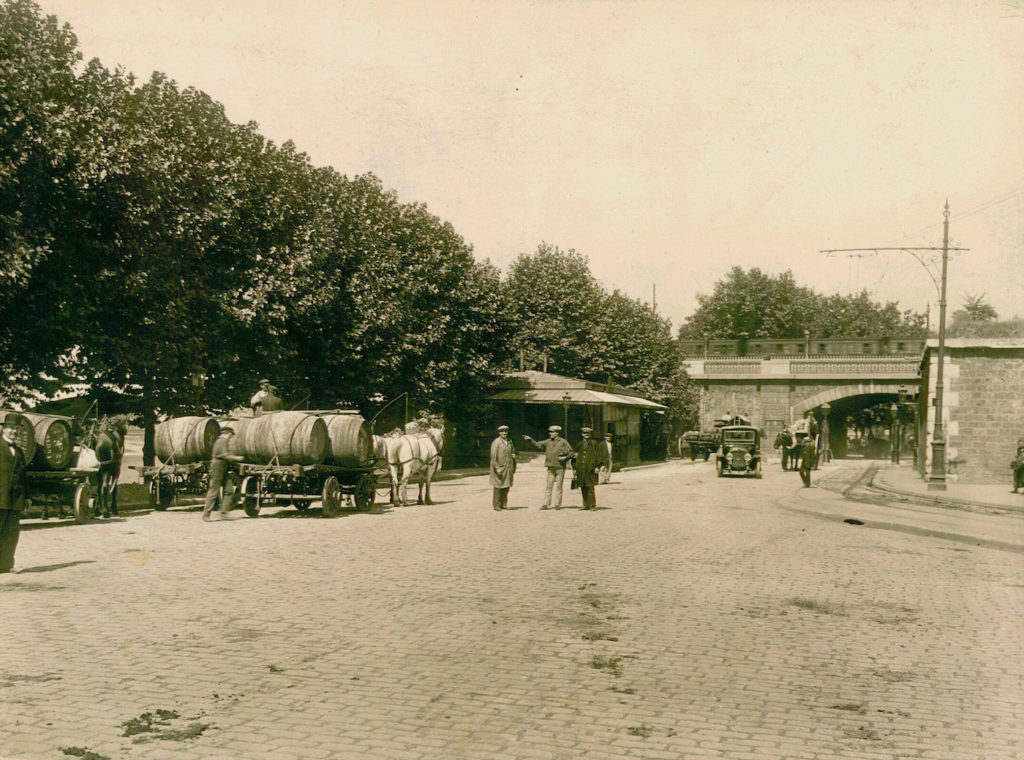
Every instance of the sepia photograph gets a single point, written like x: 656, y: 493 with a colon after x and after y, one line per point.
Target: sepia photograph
x: 309, y: 310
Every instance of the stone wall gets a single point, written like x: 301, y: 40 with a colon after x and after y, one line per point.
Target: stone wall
x: 985, y: 401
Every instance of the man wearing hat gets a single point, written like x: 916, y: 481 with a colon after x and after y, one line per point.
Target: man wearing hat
x: 590, y: 455
x: 557, y: 454
x: 220, y: 459
x: 13, y: 490
x: 503, y: 467
x: 266, y: 399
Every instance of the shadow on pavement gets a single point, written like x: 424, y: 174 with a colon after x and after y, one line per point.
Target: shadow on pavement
x: 61, y: 566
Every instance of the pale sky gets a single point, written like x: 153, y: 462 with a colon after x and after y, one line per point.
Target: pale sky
x: 667, y: 141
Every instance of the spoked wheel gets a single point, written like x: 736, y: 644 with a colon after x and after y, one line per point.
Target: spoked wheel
x: 366, y: 492
x: 82, y: 502
x: 252, y: 495
x: 331, y: 497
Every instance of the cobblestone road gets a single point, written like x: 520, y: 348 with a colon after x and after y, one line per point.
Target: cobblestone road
x: 689, y: 617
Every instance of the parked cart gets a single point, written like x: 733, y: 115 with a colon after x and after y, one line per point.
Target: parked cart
x: 55, y: 489
x: 300, y: 485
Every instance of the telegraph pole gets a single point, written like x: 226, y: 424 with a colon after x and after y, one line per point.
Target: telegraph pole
x: 937, y: 477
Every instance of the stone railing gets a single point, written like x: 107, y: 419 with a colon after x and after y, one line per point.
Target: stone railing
x: 866, y: 366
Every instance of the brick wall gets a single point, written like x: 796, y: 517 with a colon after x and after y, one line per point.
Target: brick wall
x: 985, y: 401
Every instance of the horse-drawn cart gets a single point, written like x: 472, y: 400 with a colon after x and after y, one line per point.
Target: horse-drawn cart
x: 165, y: 482
x: 300, y: 485
x: 58, y: 488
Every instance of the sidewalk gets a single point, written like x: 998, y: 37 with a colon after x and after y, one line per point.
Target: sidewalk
x: 903, y: 480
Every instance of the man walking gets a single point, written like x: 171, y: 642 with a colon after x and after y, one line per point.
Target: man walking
x: 503, y: 467
x: 557, y: 453
x: 13, y: 490
x: 606, y: 468
x: 808, y: 459
x: 220, y: 459
x: 589, y: 456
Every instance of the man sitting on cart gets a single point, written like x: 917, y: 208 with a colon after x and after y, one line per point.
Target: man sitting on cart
x: 266, y: 399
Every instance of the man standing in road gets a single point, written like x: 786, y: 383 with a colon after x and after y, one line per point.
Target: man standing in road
x: 606, y: 468
x: 13, y: 490
x: 808, y: 459
x: 1018, y: 467
x: 220, y: 459
x: 503, y: 467
x: 589, y: 456
x: 557, y: 453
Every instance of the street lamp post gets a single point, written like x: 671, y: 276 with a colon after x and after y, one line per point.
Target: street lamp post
x: 566, y: 399
x: 937, y: 478
x: 826, y: 451
x: 894, y: 434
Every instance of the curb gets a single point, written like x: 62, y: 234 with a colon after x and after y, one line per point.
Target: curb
x: 940, y: 500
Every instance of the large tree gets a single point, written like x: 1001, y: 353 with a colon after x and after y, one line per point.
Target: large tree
x: 754, y: 304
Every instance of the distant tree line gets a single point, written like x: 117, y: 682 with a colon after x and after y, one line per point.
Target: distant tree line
x: 149, y: 243
x: 754, y: 304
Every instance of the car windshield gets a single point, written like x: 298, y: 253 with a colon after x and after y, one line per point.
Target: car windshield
x: 739, y: 436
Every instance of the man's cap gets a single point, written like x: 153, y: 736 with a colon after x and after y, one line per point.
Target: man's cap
x: 555, y: 429
x: 502, y: 427
x: 607, y: 435
x: 12, y: 418
x: 586, y: 430
x: 264, y: 381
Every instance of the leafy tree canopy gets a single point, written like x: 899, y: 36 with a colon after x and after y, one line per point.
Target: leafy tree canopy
x: 754, y: 304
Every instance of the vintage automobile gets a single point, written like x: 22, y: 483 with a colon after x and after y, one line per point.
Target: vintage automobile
x: 739, y: 452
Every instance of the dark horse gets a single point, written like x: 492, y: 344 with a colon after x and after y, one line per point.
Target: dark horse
x: 790, y: 450
x: 108, y: 441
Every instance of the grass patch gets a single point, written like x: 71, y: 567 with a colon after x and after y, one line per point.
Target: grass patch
x: 149, y: 722
x: 851, y: 707
x: 642, y: 730
x: 82, y: 752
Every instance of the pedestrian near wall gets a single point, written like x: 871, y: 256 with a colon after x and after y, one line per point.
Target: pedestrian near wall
x: 808, y: 459
x: 503, y: 468
x: 1018, y: 467
x: 13, y: 490
x: 220, y: 460
x: 557, y: 454
x: 590, y: 455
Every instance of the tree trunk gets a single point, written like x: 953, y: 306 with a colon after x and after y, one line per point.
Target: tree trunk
x: 148, y: 426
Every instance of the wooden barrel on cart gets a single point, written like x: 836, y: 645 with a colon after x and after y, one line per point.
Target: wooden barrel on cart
x: 351, y: 444
x: 291, y: 437
x: 26, y: 435
x: 184, y: 440
x: 54, y: 443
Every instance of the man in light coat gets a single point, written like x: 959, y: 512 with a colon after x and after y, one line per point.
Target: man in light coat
x: 606, y: 469
x: 557, y: 454
x: 503, y: 467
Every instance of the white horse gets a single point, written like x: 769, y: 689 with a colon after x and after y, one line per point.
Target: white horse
x: 411, y: 454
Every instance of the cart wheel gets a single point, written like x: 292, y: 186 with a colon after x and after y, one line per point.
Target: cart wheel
x: 331, y: 497
x: 252, y: 495
x: 82, y: 502
x: 366, y: 492
x: 161, y: 495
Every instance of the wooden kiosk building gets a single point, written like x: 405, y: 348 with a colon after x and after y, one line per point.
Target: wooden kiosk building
x: 529, y: 402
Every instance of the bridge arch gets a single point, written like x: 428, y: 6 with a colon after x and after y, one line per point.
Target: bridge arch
x: 843, y: 391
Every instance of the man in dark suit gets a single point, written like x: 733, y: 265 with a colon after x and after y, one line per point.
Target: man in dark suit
x: 590, y: 455
x: 13, y: 490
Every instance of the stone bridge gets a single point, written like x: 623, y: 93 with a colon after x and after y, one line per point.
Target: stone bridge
x: 774, y: 391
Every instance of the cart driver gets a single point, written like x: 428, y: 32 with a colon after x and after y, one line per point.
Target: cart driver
x: 266, y: 399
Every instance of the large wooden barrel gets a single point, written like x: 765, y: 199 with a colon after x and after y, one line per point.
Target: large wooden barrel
x: 26, y: 436
x: 291, y: 437
x: 54, y: 444
x: 183, y: 440
x: 351, y: 442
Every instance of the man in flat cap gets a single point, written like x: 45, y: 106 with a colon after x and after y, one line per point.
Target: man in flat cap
x: 590, y: 455
x: 503, y: 467
x: 266, y: 399
x: 557, y: 454
x: 606, y: 469
x: 13, y: 490
x: 220, y: 460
